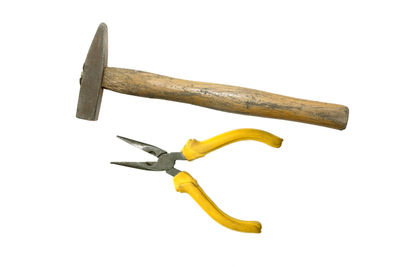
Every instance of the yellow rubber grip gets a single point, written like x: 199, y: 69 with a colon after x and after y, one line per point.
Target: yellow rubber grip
x: 185, y: 183
x: 194, y: 149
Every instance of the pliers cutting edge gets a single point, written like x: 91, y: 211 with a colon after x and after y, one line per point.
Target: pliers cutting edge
x: 185, y: 183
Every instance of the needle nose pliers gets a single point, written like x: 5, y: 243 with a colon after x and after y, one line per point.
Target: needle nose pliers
x: 185, y: 183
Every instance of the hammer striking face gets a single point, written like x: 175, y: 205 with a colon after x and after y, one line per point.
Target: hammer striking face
x: 96, y: 76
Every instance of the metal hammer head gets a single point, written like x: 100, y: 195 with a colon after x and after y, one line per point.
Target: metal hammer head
x: 92, y: 75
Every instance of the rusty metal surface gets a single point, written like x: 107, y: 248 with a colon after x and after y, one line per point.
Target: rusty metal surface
x: 91, y: 90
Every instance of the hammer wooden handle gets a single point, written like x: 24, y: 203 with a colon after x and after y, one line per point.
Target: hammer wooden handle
x: 225, y: 97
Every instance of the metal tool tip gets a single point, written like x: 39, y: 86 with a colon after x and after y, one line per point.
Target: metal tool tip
x: 122, y: 138
x: 120, y: 163
x: 130, y: 141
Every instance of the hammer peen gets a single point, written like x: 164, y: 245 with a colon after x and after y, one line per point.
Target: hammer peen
x: 96, y: 76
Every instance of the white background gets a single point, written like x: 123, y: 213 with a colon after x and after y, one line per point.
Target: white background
x: 325, y: 198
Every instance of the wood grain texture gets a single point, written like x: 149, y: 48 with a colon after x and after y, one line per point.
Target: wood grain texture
x: 225, y: 97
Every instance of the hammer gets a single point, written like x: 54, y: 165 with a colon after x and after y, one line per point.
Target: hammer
x: 96, y: 76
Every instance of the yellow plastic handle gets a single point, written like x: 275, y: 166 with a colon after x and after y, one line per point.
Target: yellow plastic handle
x: 194, y: 149
x: 185, y: 183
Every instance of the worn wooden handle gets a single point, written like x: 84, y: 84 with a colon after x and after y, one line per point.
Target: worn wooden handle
x: 225, y: 97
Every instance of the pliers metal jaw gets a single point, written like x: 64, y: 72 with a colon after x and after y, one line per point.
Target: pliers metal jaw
x: 165, y: 162
x: 185, y: 183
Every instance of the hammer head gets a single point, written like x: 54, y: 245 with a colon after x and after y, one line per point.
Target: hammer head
x: 92, y: 76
